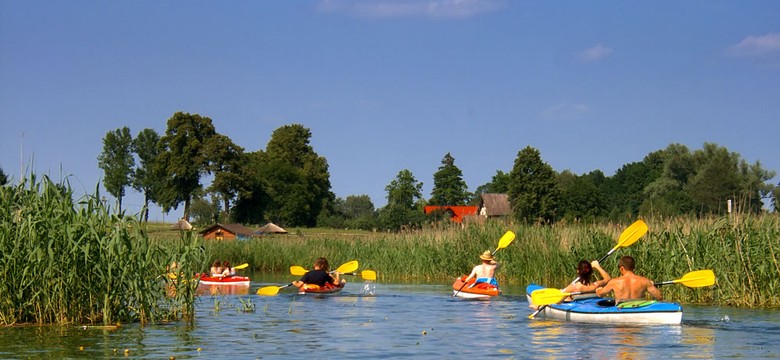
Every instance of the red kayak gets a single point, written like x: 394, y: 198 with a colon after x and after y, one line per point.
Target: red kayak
x: 479, y: 291
x: 235, y: 280
x: 316, y: 289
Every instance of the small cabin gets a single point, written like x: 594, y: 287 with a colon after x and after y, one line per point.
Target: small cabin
x: 227, y: 232
x: 494, y: 205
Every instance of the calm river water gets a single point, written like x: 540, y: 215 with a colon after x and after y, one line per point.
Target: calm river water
x: 399, y: 321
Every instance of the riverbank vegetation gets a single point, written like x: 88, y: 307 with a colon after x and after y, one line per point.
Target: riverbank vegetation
x: 77, y: 262
x: 742, y: 251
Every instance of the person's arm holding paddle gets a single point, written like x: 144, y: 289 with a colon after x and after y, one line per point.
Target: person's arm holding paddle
x: 605, y: 278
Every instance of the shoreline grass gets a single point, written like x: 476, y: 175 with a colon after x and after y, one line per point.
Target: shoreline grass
x: 68, y: 262
x: 742, y: 250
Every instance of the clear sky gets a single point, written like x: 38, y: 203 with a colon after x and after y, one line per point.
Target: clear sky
x: 390, y: 85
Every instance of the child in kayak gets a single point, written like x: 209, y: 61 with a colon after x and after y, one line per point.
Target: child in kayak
x: 320, y: 276
x: 485, y: 272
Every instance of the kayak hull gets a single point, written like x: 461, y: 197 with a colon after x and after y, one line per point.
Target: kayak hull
x: 480, y: 291
x: 226, y: 281
x: 603, y: 310
x: 327, y: 289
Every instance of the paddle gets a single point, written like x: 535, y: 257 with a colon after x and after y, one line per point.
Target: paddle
x: 271, y: 290
x: 505, y: 240
x: 629, y: 236
x: 241, y: 267
x: 365, y: 274
x: 693, y: 279
x: 347, y: 267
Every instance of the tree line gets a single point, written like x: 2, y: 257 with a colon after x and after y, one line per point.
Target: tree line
x: 288, y: 183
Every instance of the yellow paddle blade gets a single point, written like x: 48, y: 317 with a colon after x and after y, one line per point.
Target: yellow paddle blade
x: 631, y: 234
x: 242, y: 266
x: 368, y: 275
x: 297, y: 270
x: 698, y: 278
x: 548, y: 296
x: 348, y: 267
x: 505, y: 240
x: 268, y: 290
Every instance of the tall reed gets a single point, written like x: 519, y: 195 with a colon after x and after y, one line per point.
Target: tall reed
x: 743, y: 252
x: 66, y: 262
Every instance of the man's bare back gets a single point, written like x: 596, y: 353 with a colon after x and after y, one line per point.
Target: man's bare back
x: 629, y: 286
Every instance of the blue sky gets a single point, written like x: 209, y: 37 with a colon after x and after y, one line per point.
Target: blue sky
x: 392, y: 85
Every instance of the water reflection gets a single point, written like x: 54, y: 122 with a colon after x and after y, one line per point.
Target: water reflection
x: 214, y: 290
x: 398, y: 322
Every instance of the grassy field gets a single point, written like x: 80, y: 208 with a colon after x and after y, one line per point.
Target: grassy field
x: 741, y: 250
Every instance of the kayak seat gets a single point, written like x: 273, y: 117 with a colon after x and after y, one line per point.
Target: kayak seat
x: 635, y: 304
x: 606, y: 303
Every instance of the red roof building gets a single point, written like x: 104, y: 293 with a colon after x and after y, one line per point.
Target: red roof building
x: 456, y: 212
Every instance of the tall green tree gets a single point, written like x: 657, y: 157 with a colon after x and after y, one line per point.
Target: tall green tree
x: 3, y: 177
x: 499, y: 184
x: 225, y: 162
x: 754, y: 186
x: 145, y: 179
x: 449, y: 188
x: 671, y: 169
x: 403, y: 196
x: 296, y: 177
x: 533, y: 191
x: 254, y: 197
x: 183, y: 158
x: 716, y: 178
x: 359, y: 212
x: 355, y: 206
x: 117, y: 162
x: 624, y: 191
x: 580, y: 198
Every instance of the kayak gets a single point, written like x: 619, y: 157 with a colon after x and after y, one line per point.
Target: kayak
x: 479, y: 291
x: 596, y: 309
x: 316, y: 289
x: 235, y: 280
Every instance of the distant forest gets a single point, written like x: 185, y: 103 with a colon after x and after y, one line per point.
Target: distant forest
x: 288, y: 183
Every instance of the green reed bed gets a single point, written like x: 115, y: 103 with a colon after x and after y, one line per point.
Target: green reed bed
x: 743, y: 252
x: 66, y: 262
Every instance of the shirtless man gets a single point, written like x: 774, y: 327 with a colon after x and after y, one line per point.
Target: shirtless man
x: 485, y: 272
x: 629, y: 286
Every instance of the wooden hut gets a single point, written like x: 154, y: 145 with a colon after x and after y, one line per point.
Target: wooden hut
x: 227, y: 232
x: 494, y: 205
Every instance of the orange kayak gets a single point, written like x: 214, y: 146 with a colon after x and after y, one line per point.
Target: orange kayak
x: 316, y: 289
x: 471, y: 291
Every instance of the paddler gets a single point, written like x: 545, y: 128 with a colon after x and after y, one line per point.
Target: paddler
x: 320, y: 276
x: 629, y: 286
x: 486, y: 271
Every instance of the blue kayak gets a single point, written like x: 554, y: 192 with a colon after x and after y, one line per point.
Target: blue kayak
x: 594, y: 309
